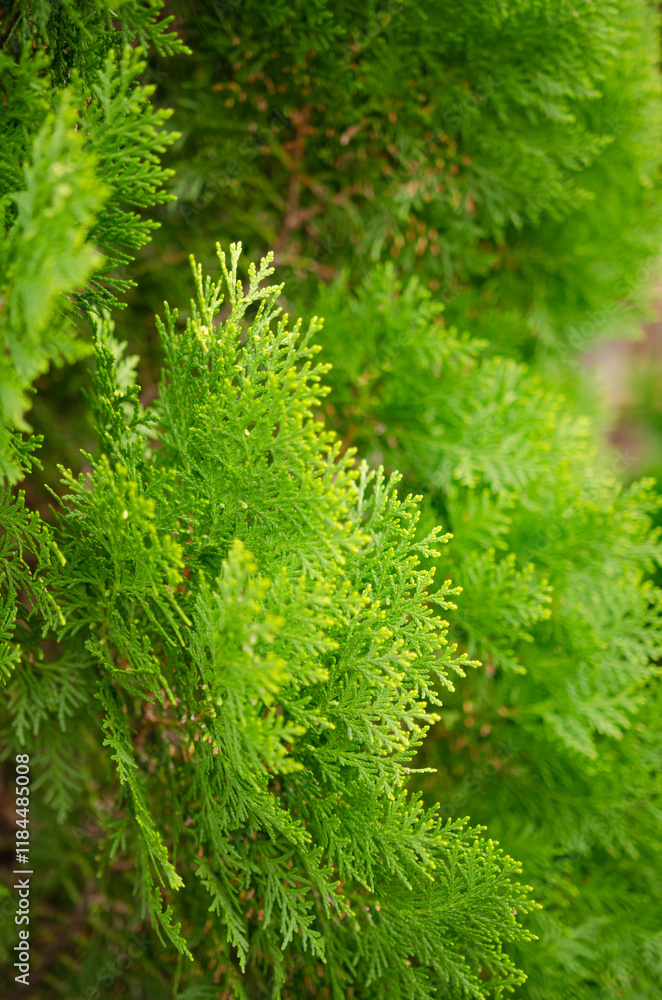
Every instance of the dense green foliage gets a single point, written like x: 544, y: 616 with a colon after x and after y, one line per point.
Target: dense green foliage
x: 507, y: 152
x: 555, y: 744
x: 259, y: 751
x: 280, y: 697
x: 77, y: 160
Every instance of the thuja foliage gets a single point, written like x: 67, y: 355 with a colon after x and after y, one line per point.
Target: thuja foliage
x: 246, y: 629
x: 221, y: 653
x: 506, y: 152
x: 81, y: 146
x: 555, y: 743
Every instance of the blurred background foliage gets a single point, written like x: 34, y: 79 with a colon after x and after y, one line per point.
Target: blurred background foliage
x: 508, y: 155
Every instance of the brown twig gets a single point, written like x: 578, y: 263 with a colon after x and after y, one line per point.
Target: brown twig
x: 298, y: 148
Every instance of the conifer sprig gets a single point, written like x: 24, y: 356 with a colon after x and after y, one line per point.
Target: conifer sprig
x: 554, y: 555
x: 246, y: 599
x: 81, y: 158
